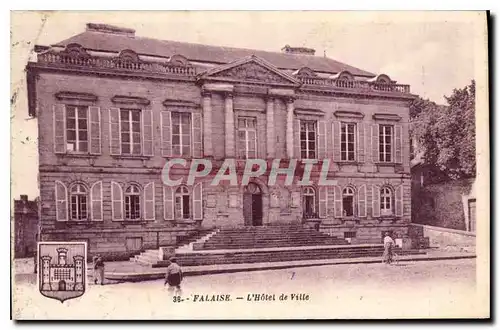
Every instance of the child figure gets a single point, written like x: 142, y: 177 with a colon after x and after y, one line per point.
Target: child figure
x: 98, y: 269
x: 173, y: 277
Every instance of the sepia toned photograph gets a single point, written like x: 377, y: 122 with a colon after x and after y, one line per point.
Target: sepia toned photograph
x: 249, y: 165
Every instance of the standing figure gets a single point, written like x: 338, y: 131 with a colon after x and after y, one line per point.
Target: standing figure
x: 98, y: 269
x: 173, y: 276
x: 388, y: 247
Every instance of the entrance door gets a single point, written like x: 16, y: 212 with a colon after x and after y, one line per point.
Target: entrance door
x: 62, y: 285
x: 252, y: 205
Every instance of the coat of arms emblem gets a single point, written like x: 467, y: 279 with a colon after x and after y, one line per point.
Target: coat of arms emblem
x: 62, y: 269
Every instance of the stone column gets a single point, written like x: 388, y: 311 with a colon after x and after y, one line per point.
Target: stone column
x: 229, y: 125
x: 289, y: 127
x: 270, y: 127
x: 207, y: 124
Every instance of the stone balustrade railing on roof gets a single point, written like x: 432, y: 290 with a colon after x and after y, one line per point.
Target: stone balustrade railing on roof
x: 355, y: 84
x: 114, y: 63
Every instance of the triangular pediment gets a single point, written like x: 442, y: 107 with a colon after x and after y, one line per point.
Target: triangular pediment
x: 250, y: 69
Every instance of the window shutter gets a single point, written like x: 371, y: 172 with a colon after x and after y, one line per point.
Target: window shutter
x: 95, y: 130
x: 149, y: 201
x: 166, y: 134
x: 117, y: 201
x: 96, y: 201
x: 398, y: 144
x: 197, y: 135
x: 168, y: 203
x: 362, y: 201
x: 399, y: 201
x: 59, y: 128
x: 331, y: 201
x: 114, y: 132
x: 147, y: 132
x: 296, y: 142
x: 361, y: 142
x: 321, y: 139
x: 338, y: 202
x: 375, y: 144
x: 323, y: 201
x: 61, y: 193
x: 376, y: 201
x: 336, y: 140
x: 198, y: 202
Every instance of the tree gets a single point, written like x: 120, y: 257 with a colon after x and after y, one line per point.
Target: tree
x: 446, y: 134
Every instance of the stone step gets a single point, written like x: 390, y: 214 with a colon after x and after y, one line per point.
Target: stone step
x: 254, y: 245
x: 276, y: 256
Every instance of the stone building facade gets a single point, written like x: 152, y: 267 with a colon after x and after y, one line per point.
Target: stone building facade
x: 113, y: 108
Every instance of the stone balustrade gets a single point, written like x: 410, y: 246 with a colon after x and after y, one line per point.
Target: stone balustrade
x: 355, y: 84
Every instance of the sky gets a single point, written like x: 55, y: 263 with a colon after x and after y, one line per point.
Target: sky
x: 433, y: 52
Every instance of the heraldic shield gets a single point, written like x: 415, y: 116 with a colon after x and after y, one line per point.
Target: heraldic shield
x: 62, y: 269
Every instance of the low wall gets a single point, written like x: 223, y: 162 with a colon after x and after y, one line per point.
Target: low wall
x: 445, y: 238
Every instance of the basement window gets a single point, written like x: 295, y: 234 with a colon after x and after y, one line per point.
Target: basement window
x: 350, y: 234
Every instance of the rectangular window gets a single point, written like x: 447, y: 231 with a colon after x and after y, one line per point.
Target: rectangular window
x: 348, y: 141
x: 247, y: 137
x: 77, y: 133
x: 308, y: 139
x: 130, y: 121
x: 181, y: 134
x: 132, y: 207
x: 350, y: 234
x: 385, y: 143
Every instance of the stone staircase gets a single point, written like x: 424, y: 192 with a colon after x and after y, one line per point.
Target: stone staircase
x: 265, y: 244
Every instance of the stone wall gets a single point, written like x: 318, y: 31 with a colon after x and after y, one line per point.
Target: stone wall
x: 445, y: 238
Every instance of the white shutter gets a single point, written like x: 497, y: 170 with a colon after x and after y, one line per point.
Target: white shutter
x: 338, y: 202
x: 376, y: 201
x: 95, y: 130
x: 361, y: 142
x: 117, y: 201
x: 398, y: 144
x: 198, y: 202
x: 61, y: 198
x: 166, y: 134
x: 399, y: 201
x: 59, y: 128
x: 149, y: 201
x: 197, y: 136
x: 147, y: 133
x: 96, y: 201
x: 375, y: 143
x: 115, y: 143
x: 296, y: 139
x: 168, y: 203
x: 321, y: 140
x: 362, y: 203
x: 336, y: 140
x: 323, y: 201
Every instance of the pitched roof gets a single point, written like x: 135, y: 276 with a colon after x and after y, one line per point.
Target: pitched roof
x: 205, y: 53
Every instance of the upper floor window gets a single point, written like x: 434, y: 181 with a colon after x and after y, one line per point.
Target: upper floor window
x: 247, y: 138
x: 77, y: 131
x: 385, y: 143
x: 308, y: 139
x: 132, y: 203
x: 130, y: 120
x: 78, y: 202
x: 181, y: 134
x: 348, y: 141
x: 182, y: 203
x: 386, y: 201
x: 348, y: 202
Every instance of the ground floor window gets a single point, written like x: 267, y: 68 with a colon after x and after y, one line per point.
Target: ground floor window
x: 309, y: 203
x: 348, y: 202
x: 386, y: 201
x: 182, y: 203
x: 132, y: 203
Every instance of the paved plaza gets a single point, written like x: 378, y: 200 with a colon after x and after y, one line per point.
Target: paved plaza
x: 409, y: 289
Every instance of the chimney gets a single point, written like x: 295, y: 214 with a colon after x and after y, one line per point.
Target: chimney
x: 111, y: 29
x: 24, y: 198
x: 298, y: 50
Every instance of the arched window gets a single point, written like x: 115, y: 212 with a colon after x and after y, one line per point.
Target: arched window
x: 348, y: 202
x: 385, y: 201
x: 309, y: 202
x: 78, y: 202
x: 132, y: 203
x: 182, y: 203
